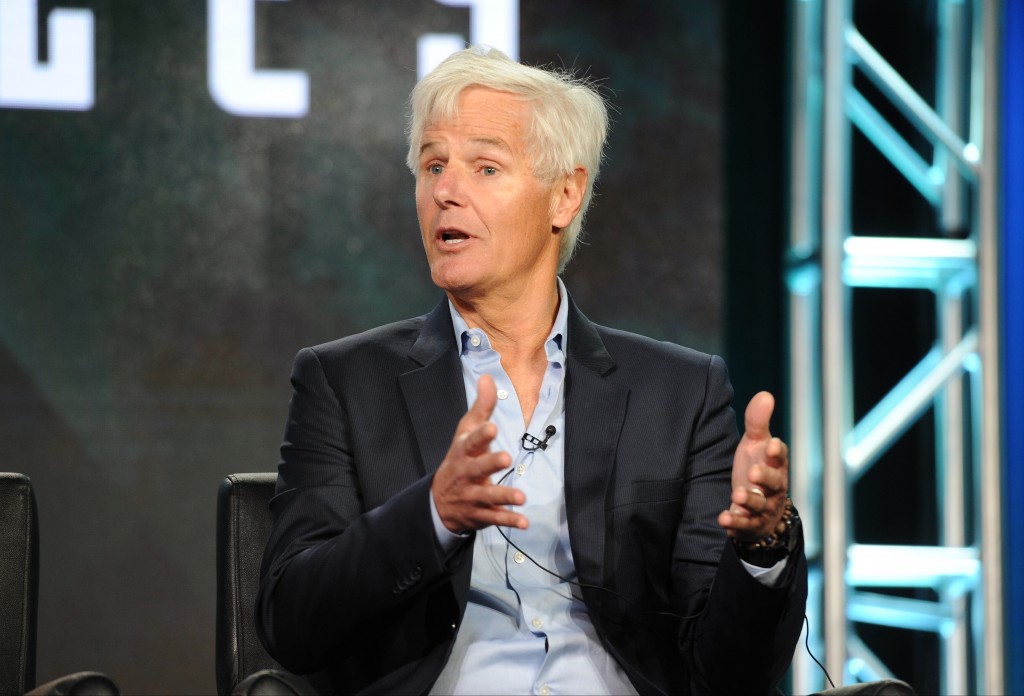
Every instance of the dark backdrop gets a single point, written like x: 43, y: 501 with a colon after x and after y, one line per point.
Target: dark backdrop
x: 161, y: 261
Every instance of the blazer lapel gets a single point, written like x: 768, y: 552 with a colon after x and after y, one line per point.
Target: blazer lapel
x: 595, y: 409
x: 434, y: 393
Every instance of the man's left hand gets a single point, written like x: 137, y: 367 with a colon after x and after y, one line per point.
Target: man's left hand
x: 760, y: 476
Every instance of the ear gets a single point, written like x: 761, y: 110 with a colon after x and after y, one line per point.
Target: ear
x: 567, y: 197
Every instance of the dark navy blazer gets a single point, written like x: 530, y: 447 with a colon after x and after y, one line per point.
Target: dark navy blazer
x: 354, y: 582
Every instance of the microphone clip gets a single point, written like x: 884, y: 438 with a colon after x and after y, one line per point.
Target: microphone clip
x: 531, y: 443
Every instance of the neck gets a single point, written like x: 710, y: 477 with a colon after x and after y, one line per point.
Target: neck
x: 517, y: 324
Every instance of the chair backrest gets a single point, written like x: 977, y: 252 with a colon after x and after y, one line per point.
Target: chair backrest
x: 19, y: 583
x: 243, y: 525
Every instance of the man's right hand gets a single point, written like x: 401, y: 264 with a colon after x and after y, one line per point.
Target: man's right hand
x: 463, y: 493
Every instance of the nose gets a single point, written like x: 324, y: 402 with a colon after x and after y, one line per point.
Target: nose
x: 448, y: 188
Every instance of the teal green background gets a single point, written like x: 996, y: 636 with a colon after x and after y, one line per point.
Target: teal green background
x: 161, y: 261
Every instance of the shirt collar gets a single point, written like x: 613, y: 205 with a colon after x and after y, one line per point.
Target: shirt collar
x: 555, y: 344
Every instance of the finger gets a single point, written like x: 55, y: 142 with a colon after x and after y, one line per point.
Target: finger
x: 776, y: 453
x: 758, y: 416
x: 483, y: 467
x: 734, y: 519
x: 751, y: 505
x: 478, y: 440
x: 486, y: 496
x: 480, y: 516
x: 751, y: 498
x: 487, y: 505
x: 473, y: 469
x: 748, y: 504
x: 501, y: 517
x: 772, y: 481
x: 498, y: 496
x: 483, y: 406
x: 740, y: 525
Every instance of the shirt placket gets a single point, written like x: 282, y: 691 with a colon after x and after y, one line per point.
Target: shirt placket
x: 537, y: 474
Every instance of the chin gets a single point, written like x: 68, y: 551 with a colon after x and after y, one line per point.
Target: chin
x: 456, y: 274
x: 454, y: 282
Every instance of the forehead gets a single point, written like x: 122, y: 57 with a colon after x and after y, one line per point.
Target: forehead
x: 485, y: 114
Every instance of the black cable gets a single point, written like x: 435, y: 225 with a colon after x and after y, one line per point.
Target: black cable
x: 583, y: 585
x: 807, y: 645
x: 807, y: 633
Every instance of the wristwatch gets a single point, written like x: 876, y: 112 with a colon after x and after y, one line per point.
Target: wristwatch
x: 768, y: 551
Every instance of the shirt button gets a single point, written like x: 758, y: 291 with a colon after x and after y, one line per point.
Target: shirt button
x: 474, y: 341
x: 521, y: 469
x: 519, y: 557
x: 502, y: 394
x: 537, y: 623
x: 545, y: 690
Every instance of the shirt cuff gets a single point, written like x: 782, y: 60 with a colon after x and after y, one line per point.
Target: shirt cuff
x: 769, y: 577
x: 446, y: 538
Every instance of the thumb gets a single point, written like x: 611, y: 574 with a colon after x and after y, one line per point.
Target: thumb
x: 486, y: 398
x: 758, y: 415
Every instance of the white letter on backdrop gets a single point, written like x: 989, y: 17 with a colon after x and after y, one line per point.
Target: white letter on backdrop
x: 491, y: 22
x: 67, y: 80
x: 234, y: 82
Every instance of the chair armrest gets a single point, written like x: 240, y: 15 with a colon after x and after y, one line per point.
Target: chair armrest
x: 882, y: 687
x: 271, y: 682
x: 78, y: 684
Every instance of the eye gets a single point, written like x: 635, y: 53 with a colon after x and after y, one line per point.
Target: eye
x: 435, y: 168
x: 489, y: 171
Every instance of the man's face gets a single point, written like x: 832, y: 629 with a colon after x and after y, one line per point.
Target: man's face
x: 486, y: 220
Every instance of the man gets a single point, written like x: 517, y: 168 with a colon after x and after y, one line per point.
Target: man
x: 591, y: 523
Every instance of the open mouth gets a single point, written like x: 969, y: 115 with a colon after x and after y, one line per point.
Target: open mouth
x: 453, y: 236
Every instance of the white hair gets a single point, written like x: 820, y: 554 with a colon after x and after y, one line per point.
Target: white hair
x: 568, y: 124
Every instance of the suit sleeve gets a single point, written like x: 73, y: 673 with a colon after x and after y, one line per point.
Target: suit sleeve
x: 742, y: 634
x: 335, y: 574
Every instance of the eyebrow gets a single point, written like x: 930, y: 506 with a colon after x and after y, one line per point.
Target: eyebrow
x: 428, y: 145
x: 493, y: 142
x: 482, y: 140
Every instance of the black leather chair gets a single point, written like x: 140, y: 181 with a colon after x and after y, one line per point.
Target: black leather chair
x: 243, y: 525
x: 243, y: 667
x: 883, y: 687
x: 19, y: 598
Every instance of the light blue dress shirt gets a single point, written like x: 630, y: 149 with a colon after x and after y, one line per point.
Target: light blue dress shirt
x: 525, y: 630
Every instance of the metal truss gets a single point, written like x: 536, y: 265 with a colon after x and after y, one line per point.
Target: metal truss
x: 953, y: 588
